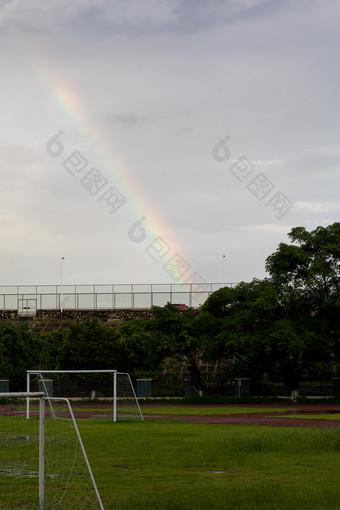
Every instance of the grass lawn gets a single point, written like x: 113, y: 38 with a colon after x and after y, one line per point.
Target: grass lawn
x: 170, y: 465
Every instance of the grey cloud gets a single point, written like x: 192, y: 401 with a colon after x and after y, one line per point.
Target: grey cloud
x: 135, y: 16
x: 59, y: 14
x: 318, y: 159
x: 183, y: 131
x: 126, y: 120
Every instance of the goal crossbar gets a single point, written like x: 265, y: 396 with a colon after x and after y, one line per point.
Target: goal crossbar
x: 25, y: 394
x: 72, y: 371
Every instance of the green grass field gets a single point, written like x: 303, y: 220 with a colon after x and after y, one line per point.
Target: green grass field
x: 168, y: 465
x: 66, y: 477
x: 171, y: 465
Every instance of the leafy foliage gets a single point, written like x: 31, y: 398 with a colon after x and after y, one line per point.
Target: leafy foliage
x: 143, y: 352
x: 180, y: 336
x: 261, y: 334
x: 20, y: 350
x: 310, y: 267
x: 306, y: 275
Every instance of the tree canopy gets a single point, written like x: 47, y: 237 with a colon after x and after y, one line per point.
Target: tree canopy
x: 306, y: 275
x: 262, y: 336
x: 20, y: 350
x: 309, y: 268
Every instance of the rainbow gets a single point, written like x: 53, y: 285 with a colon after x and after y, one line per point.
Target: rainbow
x: 68, y: 100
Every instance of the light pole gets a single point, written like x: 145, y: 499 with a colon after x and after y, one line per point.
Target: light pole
x: 61, y: 287
x: 223, y: 257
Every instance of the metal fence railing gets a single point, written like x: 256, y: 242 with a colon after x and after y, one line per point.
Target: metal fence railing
x: 27, y: 299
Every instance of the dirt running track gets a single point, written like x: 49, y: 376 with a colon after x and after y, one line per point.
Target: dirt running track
x: 267, y: 419
x: 274, y: 419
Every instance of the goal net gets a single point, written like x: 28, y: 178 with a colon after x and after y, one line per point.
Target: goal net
x: 43, y: 463
x: 94, y: 393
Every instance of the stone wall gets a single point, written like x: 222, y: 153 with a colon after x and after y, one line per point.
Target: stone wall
x: 48, y: 320
x: 121, y: 314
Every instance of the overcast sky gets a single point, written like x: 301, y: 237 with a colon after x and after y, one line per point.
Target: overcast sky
x: 142, y: 140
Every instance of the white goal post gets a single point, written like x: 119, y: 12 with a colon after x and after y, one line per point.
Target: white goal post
x: 102, y: 391
x: 43, y: 463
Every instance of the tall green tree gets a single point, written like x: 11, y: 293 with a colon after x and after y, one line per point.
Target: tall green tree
x: 181, y: 335
x: 306, y: 274
x: 20, y: 350
x: 309, y: 267
x: 89, y: 345
x: 143, y: 349
x: 261, y: 334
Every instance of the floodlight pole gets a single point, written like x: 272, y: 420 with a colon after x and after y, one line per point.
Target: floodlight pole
x: 223, y: 257
x: 61, y: 288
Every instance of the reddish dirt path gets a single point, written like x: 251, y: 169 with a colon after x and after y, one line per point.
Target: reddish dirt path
x: 267, y: 419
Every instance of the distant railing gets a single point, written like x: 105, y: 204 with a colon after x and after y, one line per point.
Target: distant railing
x: 27, y: 299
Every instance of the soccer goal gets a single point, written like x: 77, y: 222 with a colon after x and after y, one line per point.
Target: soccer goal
x: 43, y: 463
x: 94, y: 393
